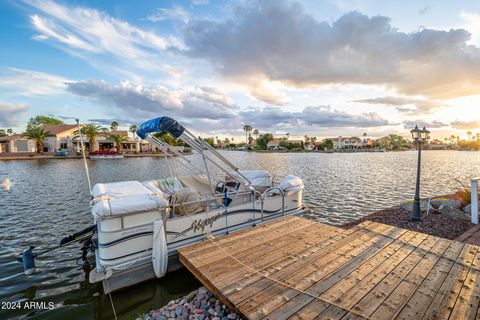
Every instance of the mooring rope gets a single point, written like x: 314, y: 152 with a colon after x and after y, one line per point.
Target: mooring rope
x: 113, y: 307
x: 211, y: 238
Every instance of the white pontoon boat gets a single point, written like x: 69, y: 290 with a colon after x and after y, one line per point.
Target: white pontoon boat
x: 141, y: 224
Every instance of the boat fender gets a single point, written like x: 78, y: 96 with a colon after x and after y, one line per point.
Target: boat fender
x: 159, y: 249
x: 28, y: 260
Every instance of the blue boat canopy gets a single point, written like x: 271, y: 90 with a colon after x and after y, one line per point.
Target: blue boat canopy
x: 160, y: 124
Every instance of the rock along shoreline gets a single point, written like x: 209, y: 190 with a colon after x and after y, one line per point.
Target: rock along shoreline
x: 197, y: 305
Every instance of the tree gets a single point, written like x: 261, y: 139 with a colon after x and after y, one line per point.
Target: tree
x: 118, y: 140
x: 2, y: 133
x: 263, y: 140
x: 327, y: 143
x: 133, y: 129
x: 210, y: 141
x: 307, y: 139
x: 10, y: 132
x: 469, y: 133
x: 114, y: 125
x: 42, y: 121
x: 247, y: 128
x: 255, y: 132
x: 91, y: 131
x: 38, y: 134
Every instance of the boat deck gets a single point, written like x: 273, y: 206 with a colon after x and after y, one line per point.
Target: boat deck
x: 294, y: 268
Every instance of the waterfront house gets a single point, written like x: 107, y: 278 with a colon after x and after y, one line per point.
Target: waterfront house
x: 16, y: 143
x: 273, y: 144
x: 351, y: 143
x: 61, y: 138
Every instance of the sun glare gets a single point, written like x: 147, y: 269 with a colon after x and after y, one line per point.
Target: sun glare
x: 6, y: 184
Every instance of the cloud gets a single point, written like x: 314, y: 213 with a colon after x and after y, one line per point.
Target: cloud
x: 321, y: 116
x: 465, y: 125
x: 10, y: 112
x: 278, y: 41
x: 32, y: 83
x: 144, y: 102
x: 406, y: 105
x: 471, y: 22
x: 175, y: 14
x: 200, y: 2
x: 424, y: 10
x: 87, y: 33
x: 435, y: 124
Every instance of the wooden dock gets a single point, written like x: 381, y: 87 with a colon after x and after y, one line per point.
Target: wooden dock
x: 299, y: 269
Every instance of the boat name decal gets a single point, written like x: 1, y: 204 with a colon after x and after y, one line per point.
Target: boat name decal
x: 200, y: 224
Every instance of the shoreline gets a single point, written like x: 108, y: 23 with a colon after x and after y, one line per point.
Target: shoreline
x: 53, y: 156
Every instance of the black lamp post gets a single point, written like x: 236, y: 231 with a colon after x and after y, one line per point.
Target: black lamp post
x: 419, y: 137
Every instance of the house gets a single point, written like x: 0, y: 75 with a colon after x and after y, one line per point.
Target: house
x: 273, y: 144
x: 16, y: 143
x: 347, y: 143
x: 61, y: 138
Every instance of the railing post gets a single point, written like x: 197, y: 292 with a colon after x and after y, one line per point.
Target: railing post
x: 474, y: 200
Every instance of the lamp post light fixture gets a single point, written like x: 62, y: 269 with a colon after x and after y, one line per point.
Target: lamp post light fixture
x: 419, y: 136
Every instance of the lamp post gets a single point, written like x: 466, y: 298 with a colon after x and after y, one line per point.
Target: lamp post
x: 419, y: 137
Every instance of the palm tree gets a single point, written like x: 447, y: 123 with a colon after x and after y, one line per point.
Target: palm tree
x: 9, y: 131
x: 469, y: 133
x: 247, y: 128
x: 91, y: 130
x: 38, y: 134
x: 118, y: 140
x: 114, y: 126
x: 133, y: 129
x: 255, y: 132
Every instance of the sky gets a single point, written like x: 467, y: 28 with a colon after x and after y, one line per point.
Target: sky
x: 321, y: 68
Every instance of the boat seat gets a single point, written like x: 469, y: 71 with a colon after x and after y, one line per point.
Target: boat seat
x: 199, y: 183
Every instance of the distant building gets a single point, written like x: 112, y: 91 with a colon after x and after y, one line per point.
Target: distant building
x: 16, y: 143
x: 273, y: 144
x: 351, y: 143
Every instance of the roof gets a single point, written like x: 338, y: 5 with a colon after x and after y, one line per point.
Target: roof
x: 120, y: 132
x: 13, y: 137
x: 273, y: 143
x: 56, y: 129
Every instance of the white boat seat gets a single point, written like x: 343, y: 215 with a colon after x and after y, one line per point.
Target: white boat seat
x: 121, y: 206
x: 107, y: 191
x: 199, y: 183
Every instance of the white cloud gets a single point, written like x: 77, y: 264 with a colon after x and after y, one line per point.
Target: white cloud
x: 94, y: 32
x: 407, y: 105
x: 200, y: 2
x: 145, y: 102
x: 471, y: 22
x: 175, y: 14
x: 277, y: 40
x: 32, y: 83
x: 320, y: 116
x: 10, y: 112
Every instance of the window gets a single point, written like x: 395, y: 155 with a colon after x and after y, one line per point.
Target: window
x: 63, y: 145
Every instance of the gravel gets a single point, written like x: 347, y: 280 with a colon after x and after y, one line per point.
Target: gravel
x: 197, y: 305
x: 434, y: 224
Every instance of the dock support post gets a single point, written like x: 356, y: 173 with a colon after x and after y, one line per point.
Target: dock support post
x: 474, y: 200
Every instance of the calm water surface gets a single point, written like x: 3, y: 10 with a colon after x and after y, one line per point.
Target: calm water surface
x: 49, y: 199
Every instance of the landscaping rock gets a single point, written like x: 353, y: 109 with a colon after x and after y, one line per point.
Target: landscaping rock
x: 408, y: 205
x: 437, y: 203
x: 197, y: 305
x: 454, y: 213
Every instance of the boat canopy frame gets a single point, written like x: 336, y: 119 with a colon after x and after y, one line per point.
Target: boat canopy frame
x: 208, y: 153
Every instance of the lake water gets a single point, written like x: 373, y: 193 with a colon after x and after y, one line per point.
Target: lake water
x: 48, y: 199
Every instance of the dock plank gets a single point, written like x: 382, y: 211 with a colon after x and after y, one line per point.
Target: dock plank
x: 299, y: 269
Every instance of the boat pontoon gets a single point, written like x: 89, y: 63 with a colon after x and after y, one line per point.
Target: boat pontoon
x: 139, y: 225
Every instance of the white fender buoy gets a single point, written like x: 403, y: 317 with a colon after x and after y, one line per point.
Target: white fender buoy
x: 159, y: 249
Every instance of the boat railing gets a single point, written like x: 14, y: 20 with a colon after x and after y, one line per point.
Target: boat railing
x: 271, y: 191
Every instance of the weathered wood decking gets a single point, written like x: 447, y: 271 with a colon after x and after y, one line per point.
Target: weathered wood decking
x: 317, y: 271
